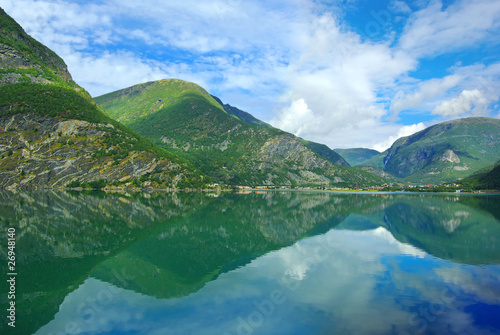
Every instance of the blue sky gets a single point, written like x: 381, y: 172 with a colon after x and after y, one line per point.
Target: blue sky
x: 347, y: 73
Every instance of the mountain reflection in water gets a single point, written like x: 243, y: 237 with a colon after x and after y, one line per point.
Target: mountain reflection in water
x: 268, y: 263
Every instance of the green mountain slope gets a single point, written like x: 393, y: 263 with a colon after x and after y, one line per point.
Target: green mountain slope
x: 23, y: 59
x: 444, y: 152
x: 53, y: 134
x: 242, y: 115
x: 182, y: 117
x: 321, y: 149
x: 356, y: 156
x: 487, y: 178
x: 325, y: 152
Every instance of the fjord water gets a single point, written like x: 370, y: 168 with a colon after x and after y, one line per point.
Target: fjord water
x: 258, y: 263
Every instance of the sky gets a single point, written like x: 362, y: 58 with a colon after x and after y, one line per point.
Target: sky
x: 346, y: 73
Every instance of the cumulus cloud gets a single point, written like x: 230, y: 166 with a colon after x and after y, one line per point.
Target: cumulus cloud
x: 108, y: 72
x: 274, y: 58
x: 297, y: 116
x: 436, y: 29
x: 468, y: 101
x: 59, y: 24
x: 339, y: 77
x: 402, y: 132
x: 424, y: 92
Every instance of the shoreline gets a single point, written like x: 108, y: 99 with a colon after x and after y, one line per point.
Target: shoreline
x: 248, y: 190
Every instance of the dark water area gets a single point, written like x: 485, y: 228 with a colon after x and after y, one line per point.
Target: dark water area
x: 258, y: 263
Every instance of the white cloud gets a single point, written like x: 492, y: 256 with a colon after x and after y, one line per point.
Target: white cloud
x: 399, y: 7
x: 468, y: 101
x: 271, y: 56
x: 340, y: 78
x: 435, y: 30
x: 297, y: 116
x: 425, y: 91
x: 107, y: 72
x: 402, y: 132
x: 477, y: 282
x: 58, y: 23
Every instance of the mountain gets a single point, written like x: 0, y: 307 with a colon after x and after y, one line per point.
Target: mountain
x: 444, y: 152
x: 325, y: 152
x: 23, y: 59
x: 356, y: 156
x: 486, y: 179
x: 321, y: 149
x: 229, y: 145
x: 52, y: 134
x: 242, y: 115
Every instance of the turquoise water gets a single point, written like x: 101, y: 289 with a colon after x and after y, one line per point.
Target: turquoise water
x: 267, y: 263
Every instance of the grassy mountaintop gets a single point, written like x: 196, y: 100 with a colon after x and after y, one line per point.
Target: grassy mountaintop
x: 444, y: 152
x: 182, y: 117
x: 151, y: 97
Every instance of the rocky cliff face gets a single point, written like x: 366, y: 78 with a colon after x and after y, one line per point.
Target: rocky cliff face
x: 20, y: 51
x: 42, y: 152
x: 288, y: 153
x: 18, y: 67
x: 11, y: 58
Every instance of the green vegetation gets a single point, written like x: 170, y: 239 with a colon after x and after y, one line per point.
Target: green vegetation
x: 38, y: 57
x: 151, y: 97
x: 242, y: 115
x: 444, y: 152
x: 65, y: 104
x: 48, y: 100
x: 233, y: 148
x: 356, y: 156
x: 485, y: 179
x: 36, y: 95
x: 325, y: 152
x: 96, y: 184
x: 321, y: 149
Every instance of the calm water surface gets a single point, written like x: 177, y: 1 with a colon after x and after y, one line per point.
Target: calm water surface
x: 268, y: 263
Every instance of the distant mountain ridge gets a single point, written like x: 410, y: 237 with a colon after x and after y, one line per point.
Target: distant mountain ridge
x: 228, y: 144
x: 356, y: 156
x: 321, y: 149
x: 242, y: 115
x: 444, y: 152
x: 52, y: 134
